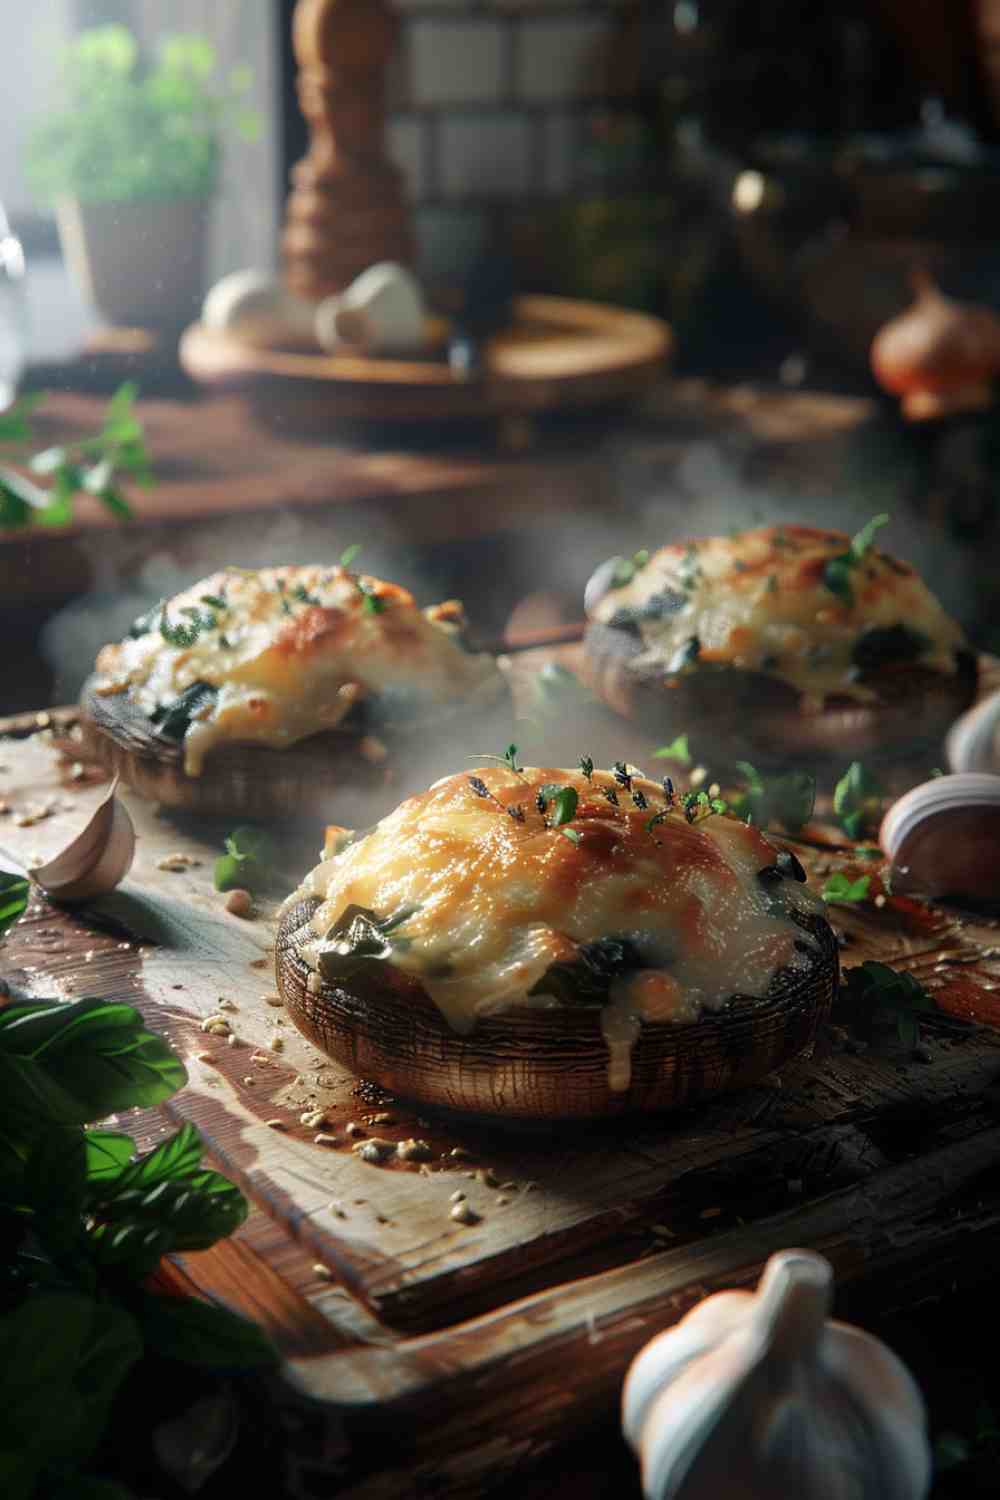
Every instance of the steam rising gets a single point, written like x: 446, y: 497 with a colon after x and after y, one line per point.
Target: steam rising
x: 668, y: 490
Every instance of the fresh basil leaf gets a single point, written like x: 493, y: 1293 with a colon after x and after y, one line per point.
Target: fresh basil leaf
x: 108, y: 1152
x: 562, y: 800
x: 42, y: 1411
x: 837, y: 577
x: 855, y: 799
x: 98, y: 1052
x: 172, y: 1160
x: 14, y: 893
x: 203, y: 1334
x: 14, y: 419
x: 139, y: 1224
x: 677, y: 750
x: 572, y: 834
x: 55, y: 1185
x: 349, y: 554
x: 839, y: 887
x: 31, y: 496
x: 232, y: 872
x: 113, y: 500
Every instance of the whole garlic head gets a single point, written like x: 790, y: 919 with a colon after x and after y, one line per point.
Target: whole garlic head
x: 757, y: 1396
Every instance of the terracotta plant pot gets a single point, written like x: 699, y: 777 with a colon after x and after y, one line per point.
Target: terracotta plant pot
x: 141, y: 262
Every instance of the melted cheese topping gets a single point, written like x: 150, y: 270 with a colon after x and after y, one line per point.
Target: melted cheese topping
x: 291, y: 649
x: 758, y: 601
x: 496, y: 901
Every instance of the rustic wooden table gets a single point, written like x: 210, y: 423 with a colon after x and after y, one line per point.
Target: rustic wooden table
x: 441, y: 1358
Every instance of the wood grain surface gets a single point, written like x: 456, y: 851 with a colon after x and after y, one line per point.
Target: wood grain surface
x: 481, y: 1346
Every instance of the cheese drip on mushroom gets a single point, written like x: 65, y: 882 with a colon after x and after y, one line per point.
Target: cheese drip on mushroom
x: 481, y: 903
x: 759, y: 601
x: 290, y: 650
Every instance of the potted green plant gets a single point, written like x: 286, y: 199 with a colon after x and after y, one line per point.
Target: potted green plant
x: 130, y: 162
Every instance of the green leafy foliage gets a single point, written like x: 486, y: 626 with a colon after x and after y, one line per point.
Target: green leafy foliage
x: 877, y: 1000
x: 557, y: 803
x: 130, y: 129
x: 787, y: 798
x: 83, y: 1220
x: 838, y: 571
x: 856, y: 800
x: 91, y: 466
x: 676, y: 750
x: 627, y: 567
x: 14, y: 892
x: 840, y: 887
x: 247, y: 862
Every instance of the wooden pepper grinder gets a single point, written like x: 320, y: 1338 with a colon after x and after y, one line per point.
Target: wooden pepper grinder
x: 346, y: 210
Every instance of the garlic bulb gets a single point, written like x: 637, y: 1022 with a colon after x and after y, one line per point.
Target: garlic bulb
x: 756, y: 1396
x: 973, y: 741
x: 257, y: 309
x: 939, y: 356
x: 943, y: 838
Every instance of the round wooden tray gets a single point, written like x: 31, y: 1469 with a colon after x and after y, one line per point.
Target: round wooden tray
x: 557, y: 353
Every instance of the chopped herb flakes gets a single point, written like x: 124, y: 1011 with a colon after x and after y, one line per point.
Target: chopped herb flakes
x: 838, y: 571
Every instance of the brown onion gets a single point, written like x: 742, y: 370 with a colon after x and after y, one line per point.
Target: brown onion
x: 939, y: 355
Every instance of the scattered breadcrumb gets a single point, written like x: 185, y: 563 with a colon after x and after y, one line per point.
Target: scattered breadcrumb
x: 464, y: 1213
x: 177, y: 861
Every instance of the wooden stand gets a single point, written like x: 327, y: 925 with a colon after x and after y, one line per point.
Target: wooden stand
x: 346, y: 208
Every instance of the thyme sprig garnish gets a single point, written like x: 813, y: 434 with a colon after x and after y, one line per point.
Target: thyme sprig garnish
x: 479, y: 787
x: 838, y: 571
x: 699, y: 805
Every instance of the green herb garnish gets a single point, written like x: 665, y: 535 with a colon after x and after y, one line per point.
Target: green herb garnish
x: 14, y: 892
x: 246, y: 862
x: 557, y: 803
x: 877, y: 998
x: 349, y: 554
x: 91, y: 466
x: 176, y: 633
x: 699, y: 805
x: 856, y: 801
x: 787, y: 799
x: 302, y: 594
x: 839, y: 887
x: 677, y: 750
x: 215, y: 601
x: 627, y: 567
x: 837, y: 573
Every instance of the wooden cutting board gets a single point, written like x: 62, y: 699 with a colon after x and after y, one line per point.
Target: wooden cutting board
x: 481, y: 1345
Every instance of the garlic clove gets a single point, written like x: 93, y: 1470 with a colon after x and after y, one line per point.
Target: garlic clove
x: 97, y: 860
x: 943, y: 838
x: 973, y: 742
x: 257, y: 309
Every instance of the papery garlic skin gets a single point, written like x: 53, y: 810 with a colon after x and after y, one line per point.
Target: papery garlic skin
x: 758, y: 1396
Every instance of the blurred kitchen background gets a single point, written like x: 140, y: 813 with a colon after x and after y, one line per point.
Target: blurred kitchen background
x: 765, y: 177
